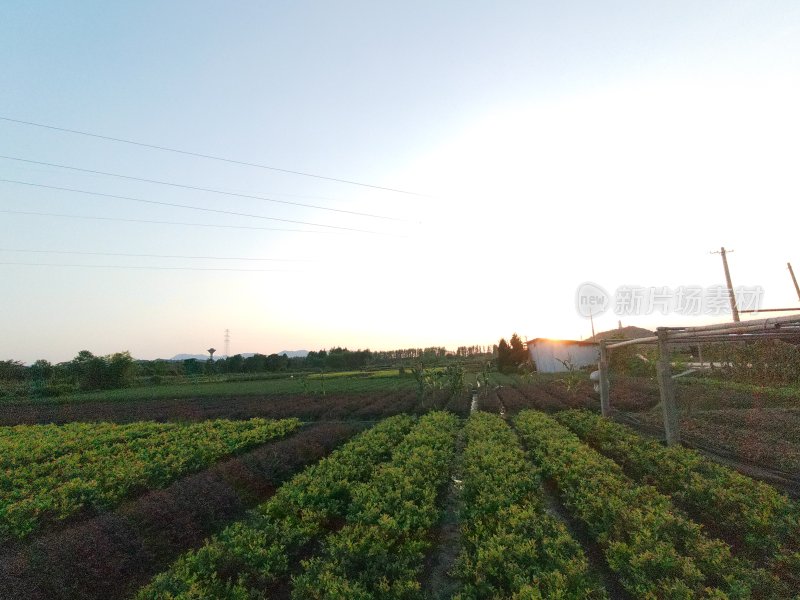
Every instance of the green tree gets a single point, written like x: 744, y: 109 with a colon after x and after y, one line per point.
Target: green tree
x: 192, y: 366
x: 92, y: 372
x: 120, y: 370
x: 12, y: 370
x: 503, y: 355
x: 41, y: 370
x: 519, y: 356
x: 87, y: 370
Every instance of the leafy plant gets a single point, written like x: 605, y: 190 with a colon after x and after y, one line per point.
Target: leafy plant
x: 751, y: 514
x: 246, y: 557
x: 572, y: 380
x: 655, y: 550
x: 510, y: 546
x: 50, y: 472
x: 380, y: 550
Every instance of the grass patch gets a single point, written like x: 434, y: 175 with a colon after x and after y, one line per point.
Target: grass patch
x: 342, y: 383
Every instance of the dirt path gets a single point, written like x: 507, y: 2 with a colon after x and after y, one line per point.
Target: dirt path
x: 594, y: 554
x: 438, y: 583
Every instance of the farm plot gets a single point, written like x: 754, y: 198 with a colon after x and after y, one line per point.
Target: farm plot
x: 656, y: 550
x: 763, y: 437
x: 511, y: 547
x: 111, y: 555
x: 50, y: 473
x: 363, y: 522
x: 258, y: 552
x: 752, y: 424
x: 381, y: 548
x: 753, y: 516
x: 332, y: 405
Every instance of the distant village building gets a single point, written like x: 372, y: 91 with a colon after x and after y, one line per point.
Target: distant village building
x: 554, y: 356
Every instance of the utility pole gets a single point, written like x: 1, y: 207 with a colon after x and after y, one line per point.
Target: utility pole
x: 731, y: 294
x: 794, y: 279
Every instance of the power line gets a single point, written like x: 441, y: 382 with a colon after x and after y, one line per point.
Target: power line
x: 150, y: 221
x: 208, y: 156
x: 187, y: 206
x: 203, y: 189
x: 146, y: 268
x: 81, y: 253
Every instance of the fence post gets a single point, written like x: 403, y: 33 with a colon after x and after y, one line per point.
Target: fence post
x: 605, y: 404
x: 667, y: 388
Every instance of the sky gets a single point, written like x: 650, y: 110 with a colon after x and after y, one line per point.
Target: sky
x: 531, y: 147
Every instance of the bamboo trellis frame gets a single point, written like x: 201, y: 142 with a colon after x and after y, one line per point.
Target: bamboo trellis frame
x: 771, y: 328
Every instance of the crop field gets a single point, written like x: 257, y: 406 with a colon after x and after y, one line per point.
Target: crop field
x: 348, y: 396
x: 753, y: 424
x: 387, y: 494
x: 51, y: 472
x: 349, y: 382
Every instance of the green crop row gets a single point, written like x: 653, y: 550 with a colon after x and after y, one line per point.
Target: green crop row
x: 247, y: 557
x: 510, y: 546
x: 380, y: 550
x: 27, y: 444
x: 751, y: 514
x: 191, y: 444
x: 97, y: 472
x: 656, y: 551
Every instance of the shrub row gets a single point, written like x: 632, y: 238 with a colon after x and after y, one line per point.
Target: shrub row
x: 182, y: 406
x: 250, y: 556
x: 25, y: 444
x: 380, y: 550
x: 752, y: 515
x: 655, y: 550
x: 510, y: 546
x: 110, y: 556
x: 43, y: 481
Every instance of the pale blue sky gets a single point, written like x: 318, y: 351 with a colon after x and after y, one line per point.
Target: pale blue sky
x: 534, y: 126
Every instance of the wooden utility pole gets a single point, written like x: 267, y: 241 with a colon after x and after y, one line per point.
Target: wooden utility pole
x: 605, y: 404
x: 794, y: 279
x: 667, y: 388
x: 731, y: 294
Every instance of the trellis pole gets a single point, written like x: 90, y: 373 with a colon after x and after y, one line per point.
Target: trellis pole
x: 605, y: 404
x: 667, y: 388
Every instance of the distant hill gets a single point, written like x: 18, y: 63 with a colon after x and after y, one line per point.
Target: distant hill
x: 189, y: 356
x: 625, y: 333
x: 294, y: 353
x: 289, y: 353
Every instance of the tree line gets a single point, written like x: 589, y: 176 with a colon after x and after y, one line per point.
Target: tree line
x: 511, y: 355
x: 90, y: 372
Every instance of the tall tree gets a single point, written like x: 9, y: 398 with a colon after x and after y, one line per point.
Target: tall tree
x: 503, y: 355
x: 519, y: 355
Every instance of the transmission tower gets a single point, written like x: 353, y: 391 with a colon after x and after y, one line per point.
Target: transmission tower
x: 227, y: 343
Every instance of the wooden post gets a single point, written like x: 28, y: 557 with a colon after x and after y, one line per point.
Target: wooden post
x: 667, y: 388
x: 794, y: 280
x: 605, y: 404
